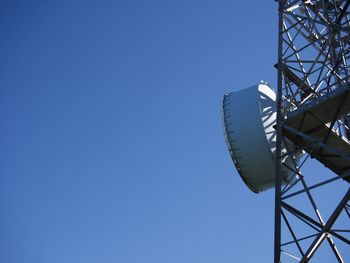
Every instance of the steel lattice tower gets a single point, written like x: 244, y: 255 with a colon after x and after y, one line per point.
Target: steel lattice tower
x: 313, y: 112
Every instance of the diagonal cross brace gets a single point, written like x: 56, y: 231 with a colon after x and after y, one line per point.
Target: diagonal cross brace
x: 326, y: 228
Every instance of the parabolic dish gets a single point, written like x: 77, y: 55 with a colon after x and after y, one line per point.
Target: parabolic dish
x: 249, y: 117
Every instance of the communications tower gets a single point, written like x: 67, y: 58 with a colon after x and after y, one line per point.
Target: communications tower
x: 313, y: 109
x: 298, y: 140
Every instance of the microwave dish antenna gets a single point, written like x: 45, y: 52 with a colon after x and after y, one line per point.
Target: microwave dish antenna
x: 249, y: 120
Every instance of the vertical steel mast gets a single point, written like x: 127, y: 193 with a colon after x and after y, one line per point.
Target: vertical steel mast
x: 313, y: 113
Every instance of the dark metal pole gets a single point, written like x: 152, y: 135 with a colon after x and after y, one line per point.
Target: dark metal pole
x: 279, y: 122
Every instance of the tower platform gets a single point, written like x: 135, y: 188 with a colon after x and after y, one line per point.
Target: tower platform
x: 311, y: 128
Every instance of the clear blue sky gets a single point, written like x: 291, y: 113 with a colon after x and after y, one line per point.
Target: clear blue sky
x: 111, y: 143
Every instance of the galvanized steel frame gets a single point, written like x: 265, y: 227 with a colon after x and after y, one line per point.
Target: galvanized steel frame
x: 313, y: 60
